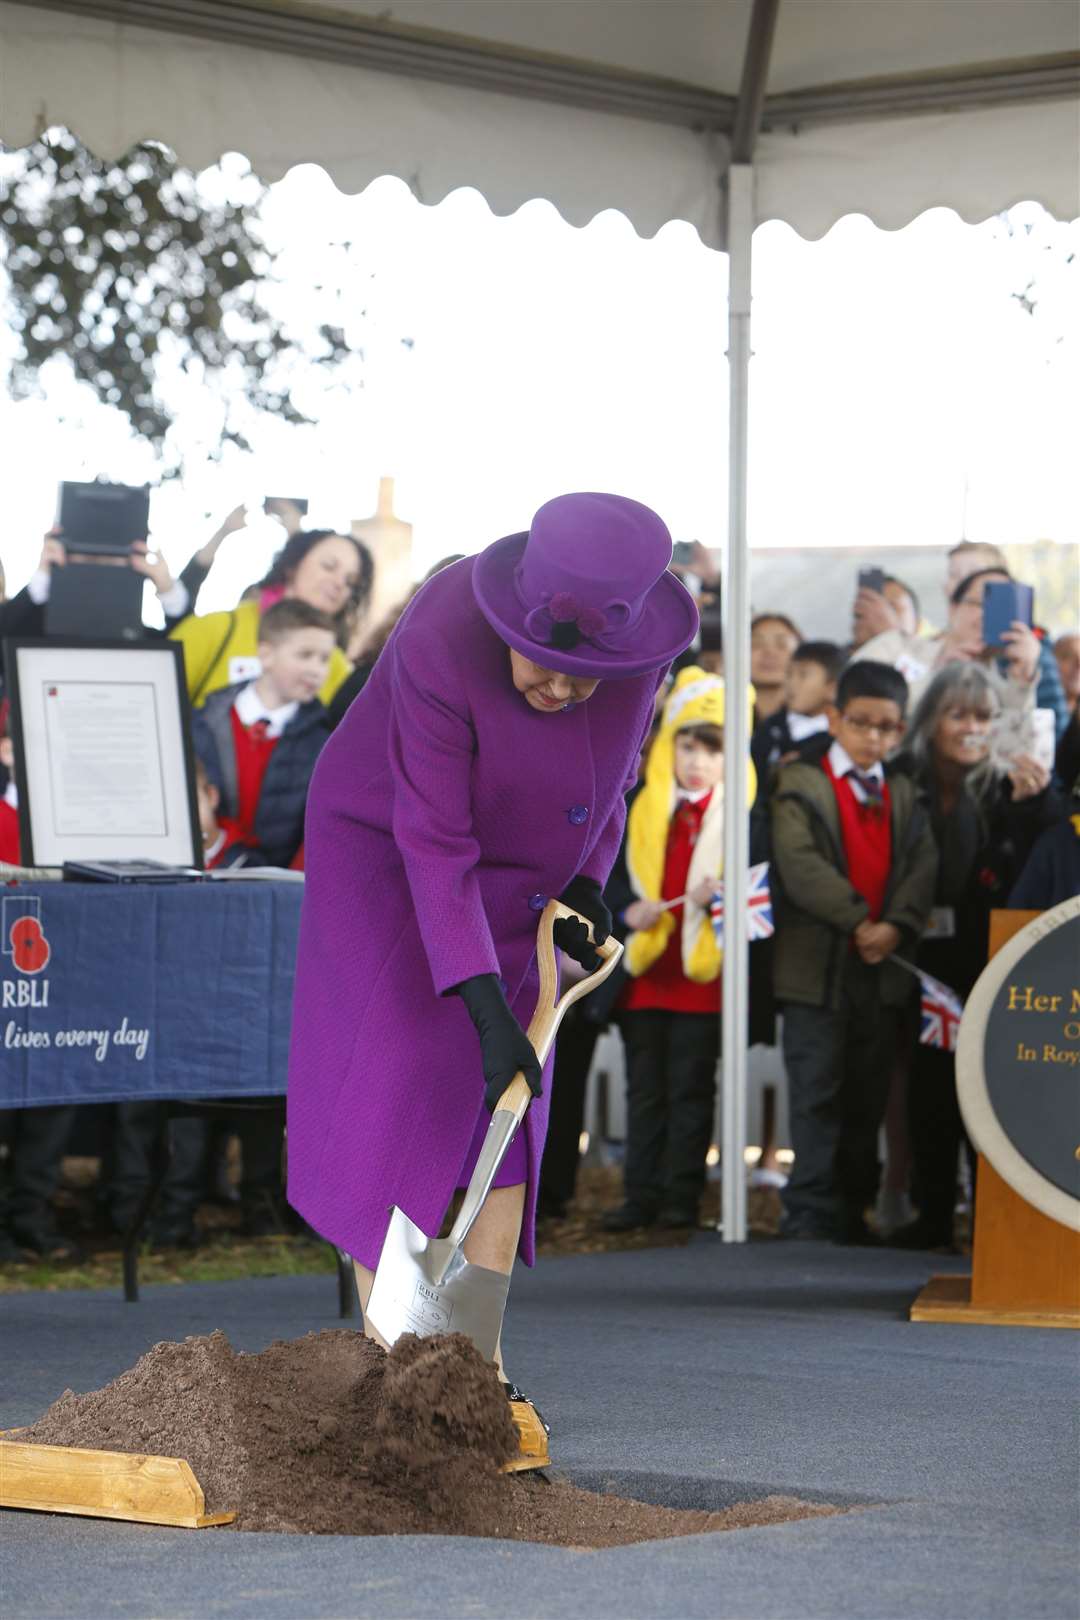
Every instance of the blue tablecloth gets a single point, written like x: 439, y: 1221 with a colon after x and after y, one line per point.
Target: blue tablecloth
x: 152, y: 991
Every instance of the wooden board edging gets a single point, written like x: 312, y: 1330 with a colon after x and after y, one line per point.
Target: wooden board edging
x: 103, y: 1485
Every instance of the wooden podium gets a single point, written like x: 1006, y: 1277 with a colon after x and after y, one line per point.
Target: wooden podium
x: 1025, y: 1266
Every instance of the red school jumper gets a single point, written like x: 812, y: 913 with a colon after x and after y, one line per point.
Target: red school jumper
x: 866, y: 831
x: 665, y: 986
x: 253, y: 749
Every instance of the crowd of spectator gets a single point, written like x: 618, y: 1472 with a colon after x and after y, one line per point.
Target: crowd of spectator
x: 903, y: 785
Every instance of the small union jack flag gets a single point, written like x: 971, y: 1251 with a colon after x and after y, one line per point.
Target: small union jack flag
x: 759, y: 913
x: 940, y: 1009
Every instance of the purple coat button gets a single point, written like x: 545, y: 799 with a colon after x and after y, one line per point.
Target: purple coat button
x: 579, y: 815
x: 537, y: 902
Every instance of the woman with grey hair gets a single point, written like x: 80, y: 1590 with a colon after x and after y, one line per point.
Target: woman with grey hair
x: 985, y: 822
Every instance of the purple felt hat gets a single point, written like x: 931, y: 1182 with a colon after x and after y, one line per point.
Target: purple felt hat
x: 587, y: 591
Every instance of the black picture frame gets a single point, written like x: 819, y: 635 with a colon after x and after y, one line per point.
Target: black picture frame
x: 172, y: 656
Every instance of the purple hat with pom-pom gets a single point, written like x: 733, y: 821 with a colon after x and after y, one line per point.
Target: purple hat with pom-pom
x: 587, y: 591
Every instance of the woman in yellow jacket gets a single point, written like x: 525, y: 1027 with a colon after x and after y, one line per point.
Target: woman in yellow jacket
x: 331, y: 572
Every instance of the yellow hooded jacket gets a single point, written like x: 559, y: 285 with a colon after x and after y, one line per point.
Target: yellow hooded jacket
x: 211, y: 641
x: 696, y: 699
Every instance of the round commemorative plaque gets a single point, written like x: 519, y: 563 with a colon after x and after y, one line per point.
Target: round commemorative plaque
x: 1018, y: 1063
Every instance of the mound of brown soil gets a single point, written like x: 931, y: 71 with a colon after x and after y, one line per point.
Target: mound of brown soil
x: 330, y: 1435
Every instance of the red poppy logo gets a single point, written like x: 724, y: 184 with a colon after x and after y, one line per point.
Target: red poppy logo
x: 30, y: 950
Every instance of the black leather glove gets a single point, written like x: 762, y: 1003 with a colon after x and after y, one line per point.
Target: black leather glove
x: 504, y: 1046
x: 583, y: 895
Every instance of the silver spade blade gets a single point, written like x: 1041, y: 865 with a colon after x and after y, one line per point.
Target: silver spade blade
x: 425, y: 1285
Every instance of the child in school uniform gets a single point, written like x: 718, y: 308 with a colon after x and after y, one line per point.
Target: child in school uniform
x: 811, y: 688
x: 854, y: 867
x: 222, y: 844
x: 259, y: 740
x: 670, y: 1008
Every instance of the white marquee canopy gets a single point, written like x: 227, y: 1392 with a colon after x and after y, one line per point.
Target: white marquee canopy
x: 884, y: 107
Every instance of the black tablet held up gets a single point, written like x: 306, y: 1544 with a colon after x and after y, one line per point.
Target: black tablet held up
x: 95, y: 601
x: 101, y: 520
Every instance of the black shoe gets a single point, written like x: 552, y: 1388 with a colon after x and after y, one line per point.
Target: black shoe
x: 627, y: 1218
x: 920, y: 1234
x: 44, y: 1242
x: 675, y: 1219
x: 804, y: 1234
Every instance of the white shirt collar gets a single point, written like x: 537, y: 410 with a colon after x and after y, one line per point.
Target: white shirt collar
x: 250, y: 707
x: 682, y: 796
x: 11, y: 795
x: 842, y: 764
x: 211, y: 851
x: 801, y: 726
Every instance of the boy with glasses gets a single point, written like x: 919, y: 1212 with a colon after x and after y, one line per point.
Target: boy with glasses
x: 854, y: 865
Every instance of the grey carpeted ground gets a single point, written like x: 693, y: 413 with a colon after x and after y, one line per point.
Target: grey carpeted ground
x: 694, y: 1376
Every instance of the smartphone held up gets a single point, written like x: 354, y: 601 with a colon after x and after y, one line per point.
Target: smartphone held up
x: 1004, y: 603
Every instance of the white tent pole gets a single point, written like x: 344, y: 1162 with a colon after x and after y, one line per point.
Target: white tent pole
x: 736, y: 605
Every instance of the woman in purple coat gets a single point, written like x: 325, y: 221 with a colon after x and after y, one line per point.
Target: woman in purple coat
x: 480, y: 771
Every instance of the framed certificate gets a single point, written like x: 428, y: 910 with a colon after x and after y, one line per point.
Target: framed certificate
x: 103, y: 756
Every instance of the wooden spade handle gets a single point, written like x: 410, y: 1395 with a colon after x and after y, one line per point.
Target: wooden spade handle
x: 550, y: 1006
x: 516, y: 1098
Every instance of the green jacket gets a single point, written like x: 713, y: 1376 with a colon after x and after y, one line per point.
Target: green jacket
x: 817, y: 910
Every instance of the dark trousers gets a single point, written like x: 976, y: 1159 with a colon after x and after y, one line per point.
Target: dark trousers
x: 142, y: 1131
x: 574, y: 1050
x: 937, y: 1131
x: 671, y: 1062
x: 139, y: 1134
x: 261, y: 1130
x: 839, y: 1065
x: 36, y: 1139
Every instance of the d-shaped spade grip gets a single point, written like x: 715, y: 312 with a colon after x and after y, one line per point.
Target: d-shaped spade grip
x: 549, y: 1010
x: 542, y: 1030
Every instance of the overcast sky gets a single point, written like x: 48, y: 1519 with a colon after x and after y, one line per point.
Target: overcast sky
x: 899, y: 393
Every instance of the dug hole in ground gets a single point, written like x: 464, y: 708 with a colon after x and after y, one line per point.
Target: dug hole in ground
x: 329, y: 1434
